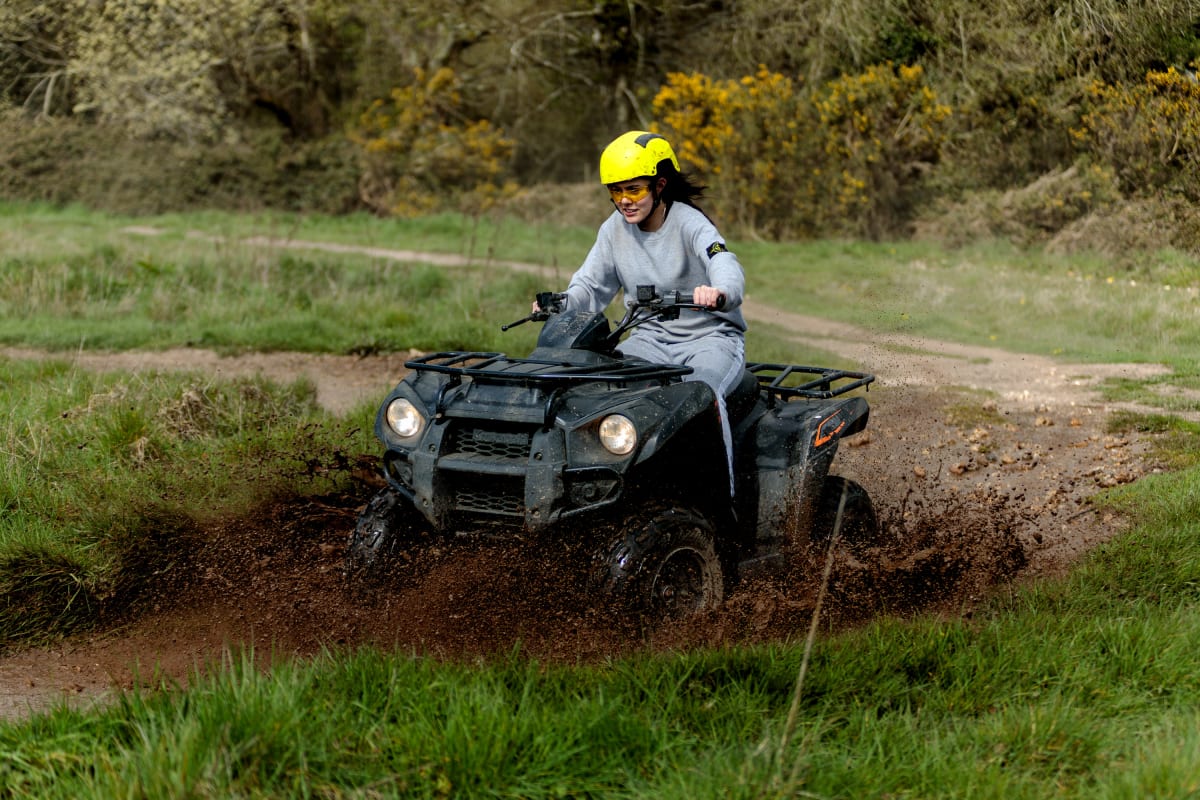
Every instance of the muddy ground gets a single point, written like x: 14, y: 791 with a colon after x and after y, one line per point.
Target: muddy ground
x: 980, y: 463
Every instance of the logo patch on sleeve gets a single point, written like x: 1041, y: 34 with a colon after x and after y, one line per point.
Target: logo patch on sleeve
x: 716, y: 247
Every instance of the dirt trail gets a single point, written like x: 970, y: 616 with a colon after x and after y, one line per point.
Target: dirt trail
x: 968, y: 503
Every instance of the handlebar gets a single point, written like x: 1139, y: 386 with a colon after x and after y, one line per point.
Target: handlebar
x: 547, y: 303
x: 647, y: 304
x: 647, y: 297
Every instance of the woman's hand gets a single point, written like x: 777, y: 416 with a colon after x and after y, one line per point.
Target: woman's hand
x: 708, y: 296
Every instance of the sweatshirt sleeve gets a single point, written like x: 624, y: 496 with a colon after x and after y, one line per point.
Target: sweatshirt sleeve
x: 724, y: 269
x: 595, y: 283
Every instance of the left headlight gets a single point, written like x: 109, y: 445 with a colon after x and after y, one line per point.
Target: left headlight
x: 618, y: 435
x: 403, y: 418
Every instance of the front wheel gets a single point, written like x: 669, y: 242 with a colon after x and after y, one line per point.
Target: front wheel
x: 377, y: 535
x: 665, y: 564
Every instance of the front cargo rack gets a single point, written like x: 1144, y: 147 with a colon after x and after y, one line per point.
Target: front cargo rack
x: 787, y: 381
x: 500, y: 368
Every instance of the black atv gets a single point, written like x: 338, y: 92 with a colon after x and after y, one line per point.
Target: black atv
x: 621, y: 455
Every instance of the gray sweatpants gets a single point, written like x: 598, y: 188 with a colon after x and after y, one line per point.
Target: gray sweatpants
x: 717, y: 359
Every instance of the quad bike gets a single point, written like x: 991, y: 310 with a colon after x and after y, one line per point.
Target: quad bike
x: 619, y: 455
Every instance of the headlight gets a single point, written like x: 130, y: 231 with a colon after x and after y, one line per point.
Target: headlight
x: 618, y: 435
x: 403, y: 418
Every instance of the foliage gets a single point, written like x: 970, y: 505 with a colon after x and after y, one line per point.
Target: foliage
x: 1045, y: 210
x: 189, y: 69
x: 97, y: 469
x: 559, y: 79
x: 846, y: 158
x: 420, y: 150
x: 36, y: 37
x: 68, y: 160
x: 1148, y: 133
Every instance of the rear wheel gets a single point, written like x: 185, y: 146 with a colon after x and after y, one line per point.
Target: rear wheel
x: 857, y: 524
x: 665, y: 564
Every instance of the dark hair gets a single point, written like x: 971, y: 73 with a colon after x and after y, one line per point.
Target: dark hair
x: 680, y: 188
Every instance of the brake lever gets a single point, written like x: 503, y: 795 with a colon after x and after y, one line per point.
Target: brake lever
x: 536, y: 316
x: 548, y: 303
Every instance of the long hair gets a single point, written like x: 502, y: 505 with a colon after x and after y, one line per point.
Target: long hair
x: 680, y: 188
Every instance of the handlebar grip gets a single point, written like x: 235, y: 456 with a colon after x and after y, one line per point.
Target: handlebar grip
x: 689, y: 299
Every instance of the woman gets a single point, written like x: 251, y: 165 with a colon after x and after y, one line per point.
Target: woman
x: 658, y: 236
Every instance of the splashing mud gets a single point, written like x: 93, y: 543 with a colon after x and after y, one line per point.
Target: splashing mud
x: 964, y: 509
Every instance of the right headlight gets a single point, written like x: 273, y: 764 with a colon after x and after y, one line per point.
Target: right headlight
x: 618, y: 435
x: 403, y: 418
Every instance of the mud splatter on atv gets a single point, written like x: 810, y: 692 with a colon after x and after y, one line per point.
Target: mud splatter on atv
x: 618, y: 458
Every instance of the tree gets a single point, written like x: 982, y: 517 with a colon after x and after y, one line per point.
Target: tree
x: 36, y: 38
x: 188, y: 68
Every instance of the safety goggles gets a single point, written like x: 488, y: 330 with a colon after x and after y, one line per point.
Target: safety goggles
x: 632, y: 193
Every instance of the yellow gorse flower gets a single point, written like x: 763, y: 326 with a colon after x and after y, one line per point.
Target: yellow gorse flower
x: 421, y: 153
x: 766, y: 143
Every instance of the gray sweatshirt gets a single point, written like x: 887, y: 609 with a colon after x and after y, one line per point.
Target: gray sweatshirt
x: 686, y: 252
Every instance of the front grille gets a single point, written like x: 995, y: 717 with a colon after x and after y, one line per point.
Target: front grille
x: 489, y: 495
x: 491, y: 445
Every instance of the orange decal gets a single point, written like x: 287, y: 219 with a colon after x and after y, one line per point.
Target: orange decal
x: 825, y: 438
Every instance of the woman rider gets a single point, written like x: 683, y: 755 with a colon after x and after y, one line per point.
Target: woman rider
x: 658, y: 236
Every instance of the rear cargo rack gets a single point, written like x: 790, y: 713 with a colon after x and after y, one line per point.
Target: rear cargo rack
x: 500, y: 368
x: 779, y: 381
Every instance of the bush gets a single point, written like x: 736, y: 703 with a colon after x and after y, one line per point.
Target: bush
x: 1148, y: 133
x: 1134, y: 232
x: 848, y: 158
x: 69, y: 161
x: 421, y: 154
x: 1026, y: 215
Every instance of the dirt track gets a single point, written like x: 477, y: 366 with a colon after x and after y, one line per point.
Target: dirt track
x: 967, y: 506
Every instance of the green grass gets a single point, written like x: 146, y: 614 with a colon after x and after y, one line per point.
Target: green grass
x: 71, y: 276
x: 94, y: 286
x: 1080, y: 687
x: 991, y: 295
x: 98, y: 467
x: 1172, y: 439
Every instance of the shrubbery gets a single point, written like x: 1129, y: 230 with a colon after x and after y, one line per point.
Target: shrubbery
x: 64, y: 160
x: 422, y: 153
x: 1148, y: 133
x: 847, y: 130
x: 848, y: 157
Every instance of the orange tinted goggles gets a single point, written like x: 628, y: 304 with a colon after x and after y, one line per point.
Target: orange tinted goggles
x: 633, y: 193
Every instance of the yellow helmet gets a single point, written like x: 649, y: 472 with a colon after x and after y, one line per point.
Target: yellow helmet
x: 633, y: 155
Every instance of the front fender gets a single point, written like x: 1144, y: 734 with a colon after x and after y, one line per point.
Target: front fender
x: 659, y: 415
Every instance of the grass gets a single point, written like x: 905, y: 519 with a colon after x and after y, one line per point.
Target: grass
x: 72, y: 278
x: 97, y: 467
x: 1172, y: 438
x: 1079, y: 687
x: 111, y: 290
